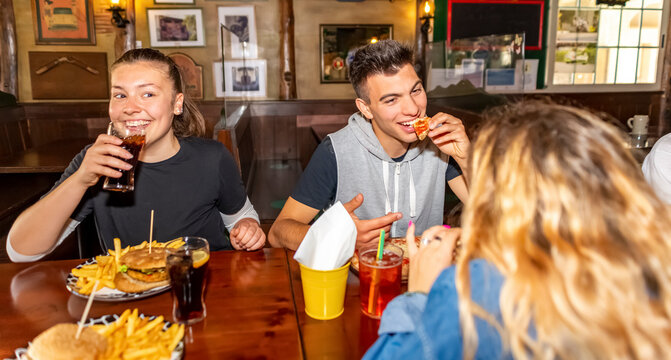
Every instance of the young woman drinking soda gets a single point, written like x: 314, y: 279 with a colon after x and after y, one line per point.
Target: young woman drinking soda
x: 192, y: 183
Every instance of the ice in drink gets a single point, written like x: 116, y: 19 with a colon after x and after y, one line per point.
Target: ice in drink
x: 380, y: 280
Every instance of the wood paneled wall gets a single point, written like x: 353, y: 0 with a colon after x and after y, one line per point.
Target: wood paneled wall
x: 52, y: 121
x: 281, y: 129
x: 621, y: 106
x: 14, y: 136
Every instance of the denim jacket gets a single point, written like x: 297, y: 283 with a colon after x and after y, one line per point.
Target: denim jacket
x: 417, y: 326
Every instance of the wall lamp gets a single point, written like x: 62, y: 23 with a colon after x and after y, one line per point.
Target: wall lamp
x: 427, y: 15
x: 117, y: 17
x: 424, y: 16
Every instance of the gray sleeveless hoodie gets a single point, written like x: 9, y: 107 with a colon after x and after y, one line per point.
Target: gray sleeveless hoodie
x: 414, y: 186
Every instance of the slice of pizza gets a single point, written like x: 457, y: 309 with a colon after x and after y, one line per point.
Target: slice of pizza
x: 421, y: 126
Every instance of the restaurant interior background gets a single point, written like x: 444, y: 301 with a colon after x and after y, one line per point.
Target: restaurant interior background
x: 285, y: 90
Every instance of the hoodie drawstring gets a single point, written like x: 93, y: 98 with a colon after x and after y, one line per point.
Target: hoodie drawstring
x: 397, y: 175
x: 413, y: 195
x: 385, y: 176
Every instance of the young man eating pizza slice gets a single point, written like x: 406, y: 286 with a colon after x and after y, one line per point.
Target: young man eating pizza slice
x: 376, y: 166
x: 422, y: 128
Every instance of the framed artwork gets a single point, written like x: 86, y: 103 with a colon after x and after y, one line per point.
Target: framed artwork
x: 240, y: 79
x: 338, y: 44
x: 192, y: 73
x: 63, y: 22
x: 241, y: 34
x: 176, y: 27
x: 51, y: 75
x: 174, y: 2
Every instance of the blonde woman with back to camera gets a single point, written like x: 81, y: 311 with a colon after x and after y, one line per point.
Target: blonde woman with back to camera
x: 565, y: 252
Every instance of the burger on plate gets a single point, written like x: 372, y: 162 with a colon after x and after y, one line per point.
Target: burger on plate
x: 59, y: 342
x: 141, y: 270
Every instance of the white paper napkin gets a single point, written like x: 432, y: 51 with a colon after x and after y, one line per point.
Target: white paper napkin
x: 329, y: 243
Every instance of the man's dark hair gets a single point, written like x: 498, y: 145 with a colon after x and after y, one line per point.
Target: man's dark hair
x: 383, y: 57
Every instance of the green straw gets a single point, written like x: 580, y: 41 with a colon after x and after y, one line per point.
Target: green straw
x: 380, y: 245
x: 374, y: 286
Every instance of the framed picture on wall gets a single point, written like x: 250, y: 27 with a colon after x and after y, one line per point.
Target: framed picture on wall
x: 63, y: 22
x: 338, y: 43
x: 52, y: 72
x: 241, y: 31
x: 240, y: 79
x: 175, y: 27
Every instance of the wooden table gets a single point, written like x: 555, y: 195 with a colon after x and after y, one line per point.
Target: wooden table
x: 250, y: 307
x: 255, y: 310
x: 49, y: 158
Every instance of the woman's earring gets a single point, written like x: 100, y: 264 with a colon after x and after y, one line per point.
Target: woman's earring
x: 179, y: 111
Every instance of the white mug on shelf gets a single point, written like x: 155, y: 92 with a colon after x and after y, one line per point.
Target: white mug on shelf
x: 638, y: 124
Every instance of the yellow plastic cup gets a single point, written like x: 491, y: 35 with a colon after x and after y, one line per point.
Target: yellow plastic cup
x: 324, y: 291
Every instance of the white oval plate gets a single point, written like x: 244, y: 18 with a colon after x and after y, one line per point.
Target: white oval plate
x: 177, y: 354
x: 110, y: 295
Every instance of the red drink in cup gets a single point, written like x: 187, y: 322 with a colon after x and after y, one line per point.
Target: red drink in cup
x: 380, y: 280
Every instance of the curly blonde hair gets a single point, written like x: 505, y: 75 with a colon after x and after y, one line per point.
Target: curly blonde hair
x: 558, y: 204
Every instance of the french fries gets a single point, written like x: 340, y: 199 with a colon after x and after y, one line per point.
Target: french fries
x: 134, y: 337
x: 106, y: 267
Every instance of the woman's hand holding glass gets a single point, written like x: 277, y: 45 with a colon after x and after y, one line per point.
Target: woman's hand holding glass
x: 101, y: 159
x: 431, y: 258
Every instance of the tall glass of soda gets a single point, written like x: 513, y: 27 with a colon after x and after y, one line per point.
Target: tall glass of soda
x: 187, y: 268
x: 133, y: 141
x: 379, y: 280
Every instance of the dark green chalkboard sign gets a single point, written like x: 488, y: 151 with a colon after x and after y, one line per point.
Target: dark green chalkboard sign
x: 486, y: 17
